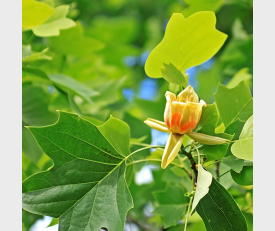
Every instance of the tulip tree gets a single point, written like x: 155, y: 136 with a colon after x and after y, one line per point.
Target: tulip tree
x: 81, y: 171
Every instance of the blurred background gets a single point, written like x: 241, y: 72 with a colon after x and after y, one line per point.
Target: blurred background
x: 97, y: 67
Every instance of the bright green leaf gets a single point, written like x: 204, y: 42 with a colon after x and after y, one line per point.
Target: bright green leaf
x: 28, y: 55
x: 120, y: 137
x: 53, y: 222
x: 230, y: 102
x: 34, y: 13
x: 219, y: 211
x: 87, y: 180
x: 172, y: 75
x: 245, y: 177
x: 187, y: 43
x: 172, y: 204
x: 203, y: 184
x: 72, y: 41
x: 74, y: 86
x: 55, y: 23
x: 243, y: 148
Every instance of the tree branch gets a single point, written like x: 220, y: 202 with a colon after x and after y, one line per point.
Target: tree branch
x: 217, y: 170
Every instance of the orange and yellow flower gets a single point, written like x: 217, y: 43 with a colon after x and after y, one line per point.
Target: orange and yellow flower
x: 182, y: 114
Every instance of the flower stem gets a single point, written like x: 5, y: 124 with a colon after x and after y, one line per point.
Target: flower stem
x: 192, y: 162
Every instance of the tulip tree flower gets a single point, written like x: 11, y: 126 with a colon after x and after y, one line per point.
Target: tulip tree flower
x: 182, y: 114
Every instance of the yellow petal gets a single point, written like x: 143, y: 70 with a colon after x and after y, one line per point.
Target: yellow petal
x: 207, y: 139
x: 171, y: 150
x: 188, y: 94
x: 156, y: 125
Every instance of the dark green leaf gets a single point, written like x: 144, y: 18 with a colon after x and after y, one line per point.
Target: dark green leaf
x: 219, y: 211
x: 245, y: 177
x: 87, y: 180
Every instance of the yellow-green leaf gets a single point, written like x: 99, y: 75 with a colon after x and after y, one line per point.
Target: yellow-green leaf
x: 186, y: 43
x: 34, y: 13
x: 55, y: 23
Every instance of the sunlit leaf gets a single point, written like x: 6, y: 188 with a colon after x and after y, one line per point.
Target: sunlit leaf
x: 55, y: 23
x: 203, y: 184
x: 187, y: 42
x: 219, y: 211
x: 34, y: 13
x: 87, y: 179
x: 243, y: 148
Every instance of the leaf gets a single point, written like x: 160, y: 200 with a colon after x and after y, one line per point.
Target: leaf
x: 229, y: 159
x: 241, y: 75
x: 28, y: 55
x: 67, y: 83
x: 186, y: 43
x: 30, y: 74
x: 172, y: 204
x: 72, y: 41
x: 34, y: 13
x: 219, y: 211
x: 35, y: 103
x: 172, y: 75
x: 120, y: 138
x: 207, y: 124
x: 86, y: 187
x: 245, y: 177
x: 198, y: 5
x: 243, y: 148
x: 53, y: 222
x: 55, y: 23
x: 230, y: 102
x: 202, y: 188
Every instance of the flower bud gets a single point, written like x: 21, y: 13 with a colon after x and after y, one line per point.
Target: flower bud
x: 207, y: 139
x: 182, y: 113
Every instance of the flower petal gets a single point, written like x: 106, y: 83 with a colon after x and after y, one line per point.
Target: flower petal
x: 207, y: 139
x: 155, y: 124
x: 171, y: 150
x: 188, y: 94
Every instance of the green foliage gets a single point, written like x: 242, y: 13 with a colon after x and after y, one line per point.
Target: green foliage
x: 233, y: 103
x: 34, y: 13
x: 187, y: 43
x: 83, y: 58
x: 207, y: 125
x: 219, y: 210
x: 203, y: 184
x: 243, y: 148
x: 54, y: 23
x: 172, y: 204
x: 87, y: 175
x: 245, y: 177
